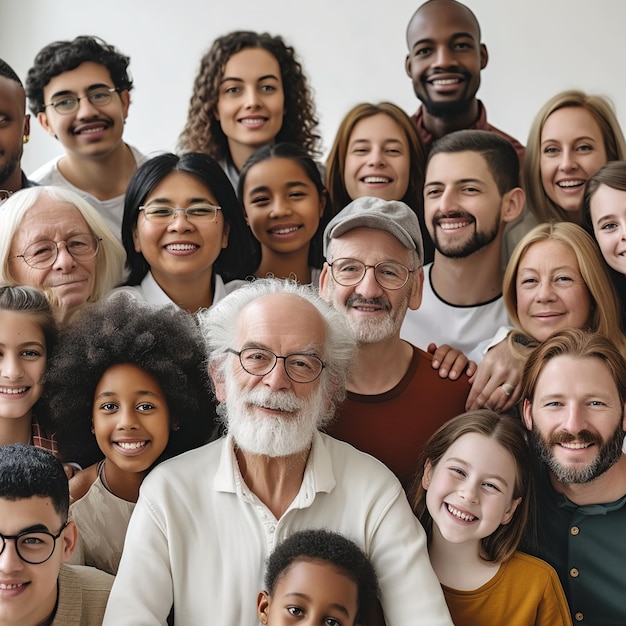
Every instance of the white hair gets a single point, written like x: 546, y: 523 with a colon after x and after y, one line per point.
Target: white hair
x: 111, y: 256
x: 219, y: 328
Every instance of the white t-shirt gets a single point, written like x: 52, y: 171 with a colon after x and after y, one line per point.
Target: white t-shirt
x: 471, y: 329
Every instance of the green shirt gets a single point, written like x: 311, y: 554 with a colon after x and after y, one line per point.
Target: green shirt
x: 586, y: 545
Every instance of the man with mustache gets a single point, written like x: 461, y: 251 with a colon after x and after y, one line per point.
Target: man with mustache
x: 471, y: 192
x: 206, y: 521
x: 80, y: 92
x: 574, y: 394
x: 372, y: 276
x: 445, y: 59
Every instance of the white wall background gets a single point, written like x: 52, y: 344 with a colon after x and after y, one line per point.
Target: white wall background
x: 352, y: 51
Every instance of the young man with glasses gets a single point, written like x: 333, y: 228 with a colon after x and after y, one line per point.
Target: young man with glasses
x: 396, y: 399
x: 80, y: 92
x: 36, y: 540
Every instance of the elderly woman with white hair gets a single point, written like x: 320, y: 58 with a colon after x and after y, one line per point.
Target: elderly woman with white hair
x: 53, y: 239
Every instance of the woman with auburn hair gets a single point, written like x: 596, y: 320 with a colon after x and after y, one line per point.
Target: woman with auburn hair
x: 377, y: 152
x: 556, y: 279
x: 250, y: 91
x: 572, y: 136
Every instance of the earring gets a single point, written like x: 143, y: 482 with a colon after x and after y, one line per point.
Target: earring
x: 25, y: 138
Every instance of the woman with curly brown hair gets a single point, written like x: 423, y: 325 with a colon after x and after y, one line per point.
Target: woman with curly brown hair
x: 250, y: 91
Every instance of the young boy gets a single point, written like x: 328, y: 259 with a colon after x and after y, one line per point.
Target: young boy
x: 36, y: 539
x: 317, y: 577
x: 80, y: 92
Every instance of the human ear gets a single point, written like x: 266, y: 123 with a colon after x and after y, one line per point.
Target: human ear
x: 42, y: 118
x: 508, y: 514
x: 527, y: 414
x: 407, y: 66
x: 513, y: 201
x: 416, y: 292
x: 218, y: 381
x: 225, y: 234
x: 125, y: 98
x: 324, y: 280
x: 136, y: 242
x: 263, y: 607
x: 428, y: 474
x: 69, y: 537
x: 484, y: 56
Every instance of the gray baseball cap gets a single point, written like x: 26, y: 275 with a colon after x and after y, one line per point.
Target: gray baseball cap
x: 393, y: 216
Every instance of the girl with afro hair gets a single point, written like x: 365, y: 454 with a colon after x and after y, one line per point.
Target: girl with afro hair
x: 126, y: 388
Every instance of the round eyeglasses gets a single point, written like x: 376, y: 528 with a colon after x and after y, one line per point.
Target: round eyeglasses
x: 42, y: 254
x: 301, y: 368
x: 388, y: 274
x: 33, y: 547
x: 163, y: 214
x: 65, y: 105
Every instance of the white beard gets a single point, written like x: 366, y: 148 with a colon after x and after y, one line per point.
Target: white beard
x: 268, y: 435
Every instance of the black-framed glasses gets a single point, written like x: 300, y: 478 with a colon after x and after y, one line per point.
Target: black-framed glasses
x: 301, y: 368
x: 42, y: 254
x: 163, y: 214
x: 33, y: 547
x: 65, y: 105
x: 388, y: 274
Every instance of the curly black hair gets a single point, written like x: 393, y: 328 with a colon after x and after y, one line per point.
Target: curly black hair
x: 163, y: 341
x: 203, y: 132
x: 63, y: 56
x: 329, y: 547
x: 8, y: 72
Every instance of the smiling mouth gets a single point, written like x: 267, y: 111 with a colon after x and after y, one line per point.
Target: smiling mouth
x: 181, y: 247
x: 376, y: 179
x: 131, y: 445
x: 252, y: 121
x: 569, y: 184
x: 14, y: 586
x: 575, y: 445
x: 13, y: 391
x: 284, y: 231
x: 466, y: 517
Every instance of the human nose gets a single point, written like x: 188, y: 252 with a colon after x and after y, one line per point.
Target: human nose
x: 568, y: 160
x: 444, y: 57
x: 277, y: 378
x: 280, y: 208
x: 127, y: 419
x: 574, y: 420
x: 11, y: 366
x: 9, y: 558
x: 180, y: 222
x: 545, y: 291
x: 253, y: 99
x: 369, y: 287
x: 64, y: 261
x: 468, y: 490
x: 85, y: 109
x: 448, y: 201
x: 376, y: 157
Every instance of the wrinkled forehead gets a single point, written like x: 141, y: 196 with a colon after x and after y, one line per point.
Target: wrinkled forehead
x: 283, y: 323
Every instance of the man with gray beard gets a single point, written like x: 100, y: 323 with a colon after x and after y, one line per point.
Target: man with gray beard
x: 206, y: 521
x: 396, y: 397
x: 574, y: 394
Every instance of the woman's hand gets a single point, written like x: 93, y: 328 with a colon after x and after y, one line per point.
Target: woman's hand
x: 496, y: 383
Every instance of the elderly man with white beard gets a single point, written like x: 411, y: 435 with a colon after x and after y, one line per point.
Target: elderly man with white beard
x: 206, y: 521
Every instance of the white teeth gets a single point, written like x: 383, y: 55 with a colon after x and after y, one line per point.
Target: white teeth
x: 92, y: 130
x: 12, y: 391
x: 445, y: 81
x: 575, y: 446
x: 464, y: 516
x: 3, y: 586
x: 131, y: 446
x: 452, y: 226
x: 181, y: 247
x: 570, y: 183
x: 252, y: 121
x: 285, y: 231
x: 376, y: 179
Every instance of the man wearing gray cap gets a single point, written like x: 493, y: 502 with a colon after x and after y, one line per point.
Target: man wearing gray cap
x: 373, y: 274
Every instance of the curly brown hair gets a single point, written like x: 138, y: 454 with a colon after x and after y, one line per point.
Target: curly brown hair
x: 203, y: 132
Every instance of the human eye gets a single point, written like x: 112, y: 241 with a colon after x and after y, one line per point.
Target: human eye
x: 297, y: 195
x: 4, y: 119
x: 584, y: 147
x: 256, y: 357
x: 463, y: 45
x: 145, y: 406
x: 528, y: 281
x: 422, y: 51
x: 201, y: 211
x: 232, y: 90
x: 77, y: 244
x: 34, y: 540
x: 491, y: 486
x: 302, y: 363
x: 596, y: 403
x: 100, y: 96
x: 331, y: 621
x: 349, y: 266
x: 108, y: 407
x: 391, y: 270
x: 31, y: 354
x: 471, y: 189
x: 267, y: 88
x: 608, y: 226
x: 159, y: 211
x: 432, y: 192
x: 563, y: 278
x: 260, y: 200
x: 296, y: 611
x: 550, y: 150
x: 40, y: 249
x: 457, y: 471
x: 64, y: 103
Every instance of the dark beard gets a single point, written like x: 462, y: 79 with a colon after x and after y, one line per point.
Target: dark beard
x: 447, y: 109
x: 478, y: 241
x: 608, y: 454
x: 10, y: 167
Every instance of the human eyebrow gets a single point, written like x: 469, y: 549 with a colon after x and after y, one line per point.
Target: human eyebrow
x: 466, y: 464
x: 304, y: 596
x: 69, y: 92
x: 35, y: 528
